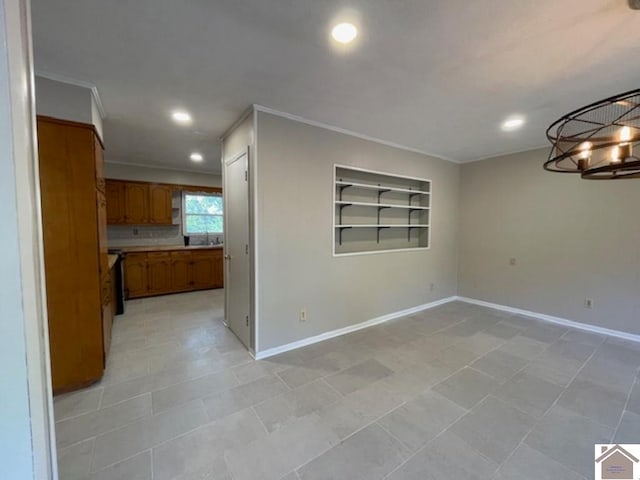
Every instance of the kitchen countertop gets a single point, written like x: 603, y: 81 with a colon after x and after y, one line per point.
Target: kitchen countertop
x: 112, y: 259
x: 166, y: 248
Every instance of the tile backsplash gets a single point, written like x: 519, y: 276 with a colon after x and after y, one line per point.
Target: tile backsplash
x: 134, y: 235
x: 131, y: 235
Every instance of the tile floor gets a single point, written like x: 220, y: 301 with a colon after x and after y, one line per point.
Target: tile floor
x: 455, y: 392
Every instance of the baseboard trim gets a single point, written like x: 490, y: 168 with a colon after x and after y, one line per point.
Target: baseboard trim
x: 557, y: 320
x: 270, y: 352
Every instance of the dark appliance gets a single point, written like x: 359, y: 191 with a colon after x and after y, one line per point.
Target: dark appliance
x: 119, y: 276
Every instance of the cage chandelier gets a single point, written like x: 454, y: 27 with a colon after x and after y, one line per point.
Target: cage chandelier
x: 600, y: 141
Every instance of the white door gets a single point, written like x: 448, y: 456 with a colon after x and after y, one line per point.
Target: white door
x: 236, y: 244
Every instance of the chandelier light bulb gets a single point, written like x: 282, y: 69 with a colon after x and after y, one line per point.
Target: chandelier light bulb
x: 585, y: 150
x: 625, y: 134
x: 615, y: 154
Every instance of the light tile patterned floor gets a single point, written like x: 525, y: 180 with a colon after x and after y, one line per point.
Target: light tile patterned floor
x: 459, y: 391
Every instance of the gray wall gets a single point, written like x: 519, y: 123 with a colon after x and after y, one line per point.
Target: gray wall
x: 67, y: 102
x: 294, y: 242
x: 122, y: 171
x: 572, y: 239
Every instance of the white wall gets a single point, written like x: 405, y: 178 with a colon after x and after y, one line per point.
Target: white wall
x: 296, y: 268
x: 121, y: 171
x: 26, y: 449
x: 572, y: 239
x: 67, y: 102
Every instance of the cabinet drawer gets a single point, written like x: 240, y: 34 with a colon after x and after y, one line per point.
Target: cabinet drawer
x: 181, y: 254
x: 151, y: 255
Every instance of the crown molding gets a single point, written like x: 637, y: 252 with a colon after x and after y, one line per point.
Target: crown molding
x: 333, y: 128
x: 78, y: 83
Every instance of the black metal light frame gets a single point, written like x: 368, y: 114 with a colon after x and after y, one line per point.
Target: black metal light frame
x: 597, y: 126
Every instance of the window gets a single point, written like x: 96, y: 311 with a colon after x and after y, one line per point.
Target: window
x: 202, y: 213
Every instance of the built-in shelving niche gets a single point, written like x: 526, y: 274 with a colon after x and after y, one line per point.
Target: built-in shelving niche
x: 376, y: 212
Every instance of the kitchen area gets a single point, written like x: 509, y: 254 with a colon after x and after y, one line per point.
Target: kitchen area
x: 114, y: 233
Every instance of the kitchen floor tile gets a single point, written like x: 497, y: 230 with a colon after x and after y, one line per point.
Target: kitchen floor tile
x: 444, y: 394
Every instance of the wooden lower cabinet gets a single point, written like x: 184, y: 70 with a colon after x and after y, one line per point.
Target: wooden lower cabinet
x: 158, y: 273
x: 181, y: 272
x: 135, y: 273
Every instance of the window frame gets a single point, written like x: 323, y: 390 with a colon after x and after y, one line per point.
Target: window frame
x: 185, y: 214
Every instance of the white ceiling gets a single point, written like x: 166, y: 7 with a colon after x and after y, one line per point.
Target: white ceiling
x: 434, y: 75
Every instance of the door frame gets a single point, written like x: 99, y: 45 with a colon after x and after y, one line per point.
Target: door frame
x: 20, y: 134
x: 225, y: 162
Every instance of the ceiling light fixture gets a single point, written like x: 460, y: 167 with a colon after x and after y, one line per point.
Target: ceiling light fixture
x: 512, y: 124
x: 344, y: 32
x: 196, y: 157
x: 181, y: 117
x: 598, y: 141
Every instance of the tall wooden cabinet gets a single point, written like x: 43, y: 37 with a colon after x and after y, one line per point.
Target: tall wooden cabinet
x: 74, y: 214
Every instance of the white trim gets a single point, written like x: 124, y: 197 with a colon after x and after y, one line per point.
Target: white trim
x: 15, y: 18
x: 78, y: 83
x: 253, y: 225
x: 351, y: 133
x: 551, y: 319
x: 351, y: 328
x: 236, y: 124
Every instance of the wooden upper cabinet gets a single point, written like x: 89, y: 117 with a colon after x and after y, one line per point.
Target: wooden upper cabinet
x: 160, y: 204
x: 115, y: 202
x: 136, y: 203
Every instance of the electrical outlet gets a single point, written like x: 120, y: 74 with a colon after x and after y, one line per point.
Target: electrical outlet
x: 303, y: 315
x: 588, y: 303
x: 432, y: 287
x: 512, y: 261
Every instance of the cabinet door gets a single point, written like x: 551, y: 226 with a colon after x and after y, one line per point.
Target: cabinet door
x: 108, y: 308
x: 160, y: 204
x: 158, y: 273
x: 136, y: 203
x: 135, y: 275
x: 218, y: 269
x: 102, y: 233
x: 115, y: 202
x: 203, y: 271
x: 181, y: 271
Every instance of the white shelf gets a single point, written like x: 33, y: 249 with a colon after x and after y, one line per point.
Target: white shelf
x: 381, y: 187
x: 385, y: 205
x: 382, y: 217
x: 395, y: 225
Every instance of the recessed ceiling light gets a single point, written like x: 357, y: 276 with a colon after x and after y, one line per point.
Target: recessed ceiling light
x: 196, y: 157
x: 181, y: 117
x: 344, y: 32
x: 512, y: 123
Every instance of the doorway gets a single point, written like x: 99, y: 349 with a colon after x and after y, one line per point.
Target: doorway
x: 237, y: 259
